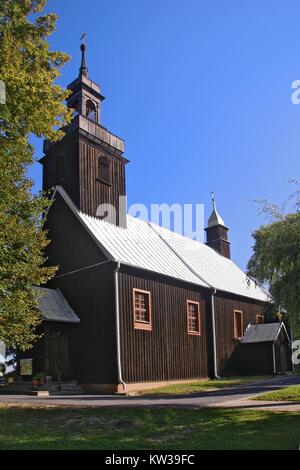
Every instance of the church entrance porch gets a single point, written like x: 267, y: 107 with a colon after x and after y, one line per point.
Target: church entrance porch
x: 49, y: 359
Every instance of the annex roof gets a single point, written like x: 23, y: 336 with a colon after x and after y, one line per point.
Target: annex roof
x: 262, y: 333
x: 54, y: 307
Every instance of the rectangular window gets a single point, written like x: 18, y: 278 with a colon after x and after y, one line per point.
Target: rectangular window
x: 193, y: 318
x: 238, y: 328
x: 142, y: 309
x: 260, y: 319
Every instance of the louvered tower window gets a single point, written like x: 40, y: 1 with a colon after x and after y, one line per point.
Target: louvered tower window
x: 104, y: 170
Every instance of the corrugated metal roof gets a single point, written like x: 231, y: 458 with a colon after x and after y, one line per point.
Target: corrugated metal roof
x: 261, y: 333
x: 147, y: 246
x: 54, y: 307
x: 138, y: 245
x: 218, y: 271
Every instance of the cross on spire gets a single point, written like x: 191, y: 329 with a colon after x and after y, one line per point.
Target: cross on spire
x: 213, y: 200
x: 83, y: 68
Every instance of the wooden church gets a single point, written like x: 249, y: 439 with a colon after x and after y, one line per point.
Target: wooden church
x: 132, y: 303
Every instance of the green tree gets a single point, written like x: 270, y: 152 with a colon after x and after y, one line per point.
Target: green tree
x: 276, y: 258
x: 34, y: 106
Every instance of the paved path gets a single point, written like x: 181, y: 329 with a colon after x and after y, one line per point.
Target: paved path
x: 235, y: 397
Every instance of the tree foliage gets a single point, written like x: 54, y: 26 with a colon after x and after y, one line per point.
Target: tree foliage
x: 34, y: 105
x: 276, y: 257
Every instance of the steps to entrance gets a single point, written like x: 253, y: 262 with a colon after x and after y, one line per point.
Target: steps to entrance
x: 53, y: 388
x: 65, y: 388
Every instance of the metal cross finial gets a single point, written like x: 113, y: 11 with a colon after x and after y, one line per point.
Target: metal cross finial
x: 213, y: 199
x: 83, y: 68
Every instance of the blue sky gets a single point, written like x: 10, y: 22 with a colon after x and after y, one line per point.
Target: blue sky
x: 201, y: 92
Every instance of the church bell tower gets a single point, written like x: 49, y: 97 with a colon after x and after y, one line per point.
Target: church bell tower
x: 88, y: 162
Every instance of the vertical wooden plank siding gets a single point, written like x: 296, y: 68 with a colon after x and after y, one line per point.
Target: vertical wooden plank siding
x: 167, y: 352
x: 224, y: 308
x: 80, y: 173
x: 253, y: 358
x: 68, y: 148
x: 90, y: 292
x: 92, y: 191
x: 93, y: 341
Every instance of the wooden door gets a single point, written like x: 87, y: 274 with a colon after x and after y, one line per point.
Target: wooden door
x: 58, y: 357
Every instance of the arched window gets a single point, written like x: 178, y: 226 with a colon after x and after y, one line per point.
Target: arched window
x: 60, y: 169
x: 91, y: 111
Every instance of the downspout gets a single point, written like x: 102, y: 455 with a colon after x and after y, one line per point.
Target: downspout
x: 213, y: 320
x: 117, y: 312
x: 291, y: 340
x: 216, y: 376
x: 274, y: 358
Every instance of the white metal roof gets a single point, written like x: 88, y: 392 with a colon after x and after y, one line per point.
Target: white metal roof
x: 138, y: 245
x: 147, y: 246
x: 217, y: 271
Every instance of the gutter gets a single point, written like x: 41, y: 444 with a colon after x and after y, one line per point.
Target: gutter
x: 274, y: 358
x: 213, y: 320
x: 117, y: 312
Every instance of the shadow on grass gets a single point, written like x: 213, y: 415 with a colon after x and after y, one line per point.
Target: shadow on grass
x: 139, y: 428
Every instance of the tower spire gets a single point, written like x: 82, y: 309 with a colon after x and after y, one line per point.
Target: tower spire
x: 83, y: 68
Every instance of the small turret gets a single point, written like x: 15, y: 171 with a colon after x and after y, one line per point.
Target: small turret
x: 217, y: 232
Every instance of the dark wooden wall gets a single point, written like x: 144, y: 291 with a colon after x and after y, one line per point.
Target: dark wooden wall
x: 217, y: 238
x: 92, y: 191
x: 283, y: 353
x: 90, y: 292
x: 216, y: 232
x: 224, y: 308
x: 81, y: 173
x: 69, y: 148
x: 71, y: 246
x: 252, y: 359
x: 167, y: 352
x: 92, y: 342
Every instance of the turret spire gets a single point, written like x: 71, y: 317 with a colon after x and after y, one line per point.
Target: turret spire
x: 215, y: 218
x: 213, y: 200
x: 83, y: 68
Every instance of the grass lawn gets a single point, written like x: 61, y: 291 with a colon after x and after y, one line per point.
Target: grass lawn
x: 286, y: 394
x: 201, y: 386
x: 146, y: 428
